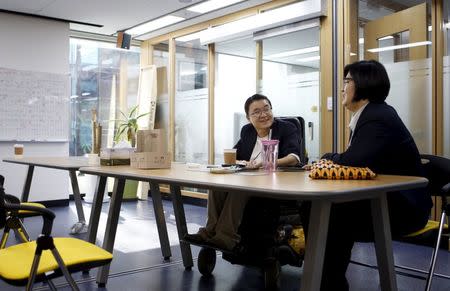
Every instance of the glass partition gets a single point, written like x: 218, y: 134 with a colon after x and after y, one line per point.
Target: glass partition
x: 96, y: 70
x: 191, y: 102
x: 399, y: 37
x: 235, y: 82
x: 290, y: 79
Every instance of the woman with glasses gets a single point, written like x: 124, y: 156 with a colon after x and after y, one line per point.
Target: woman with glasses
x: 225, y: 210
x: 378, y: 140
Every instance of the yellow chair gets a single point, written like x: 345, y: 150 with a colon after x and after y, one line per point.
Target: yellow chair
x: 47, y: 257
x: 14, y: 221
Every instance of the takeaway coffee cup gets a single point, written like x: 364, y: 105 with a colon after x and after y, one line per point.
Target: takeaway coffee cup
x: 229, y: 156
x: 18, y: 150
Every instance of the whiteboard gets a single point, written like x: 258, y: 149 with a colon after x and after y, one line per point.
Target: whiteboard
x: 34, y: 106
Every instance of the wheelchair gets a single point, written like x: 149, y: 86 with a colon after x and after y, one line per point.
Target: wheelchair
x: 271, y: 236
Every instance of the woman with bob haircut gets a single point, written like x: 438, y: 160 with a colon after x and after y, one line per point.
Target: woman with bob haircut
x: 378, y: 140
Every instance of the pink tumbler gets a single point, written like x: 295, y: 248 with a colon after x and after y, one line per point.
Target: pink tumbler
x: 270, y: 155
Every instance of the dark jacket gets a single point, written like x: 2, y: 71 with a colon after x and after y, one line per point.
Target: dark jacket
x: 284, y: 131
x: 383, y: 143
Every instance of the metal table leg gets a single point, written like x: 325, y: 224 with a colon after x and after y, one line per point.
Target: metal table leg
x: 315, y: 245
x: 27, y: 184
x: 383, y: 243
x: 160, y: 220
x: 80, y: 226
x: 111, y: 226
x: 180, y: 218
x: 96, y: 209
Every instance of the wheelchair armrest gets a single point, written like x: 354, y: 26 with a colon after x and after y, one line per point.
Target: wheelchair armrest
x: 47, y: 215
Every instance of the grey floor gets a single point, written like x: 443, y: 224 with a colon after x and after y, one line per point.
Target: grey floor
x: 138, y: 263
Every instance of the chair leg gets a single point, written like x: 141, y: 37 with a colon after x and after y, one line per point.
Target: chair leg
x: 22, y: 231
x: 33, y: 272
x: 64, y: 269
x: 435, y: 252
x: 4, y: 237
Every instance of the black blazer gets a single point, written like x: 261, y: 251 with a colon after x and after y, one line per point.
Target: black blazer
x: 383, y: 143
x: 284, y: 131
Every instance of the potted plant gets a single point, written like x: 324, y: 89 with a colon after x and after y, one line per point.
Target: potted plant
x: 129, y: 124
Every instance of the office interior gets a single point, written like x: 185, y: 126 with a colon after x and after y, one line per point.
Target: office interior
x: 203, y: 67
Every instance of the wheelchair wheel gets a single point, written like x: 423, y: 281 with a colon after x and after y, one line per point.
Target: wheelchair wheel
x: 206, y: 261
x: 271, y: 271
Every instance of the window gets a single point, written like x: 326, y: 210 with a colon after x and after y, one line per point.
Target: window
x: 98, y: 71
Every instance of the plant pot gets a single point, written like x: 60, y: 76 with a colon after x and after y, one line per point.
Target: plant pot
x: 130, y: 190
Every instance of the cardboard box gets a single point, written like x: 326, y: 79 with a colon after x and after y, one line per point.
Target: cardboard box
x: 151, y: 140
x: 150, y: 160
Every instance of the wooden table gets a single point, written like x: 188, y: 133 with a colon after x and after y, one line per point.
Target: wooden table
x: 71, y: 164
x: 279, y: 185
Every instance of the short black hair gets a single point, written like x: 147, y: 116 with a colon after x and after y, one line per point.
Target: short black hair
x: 371, y: 80
x: 254, y: 98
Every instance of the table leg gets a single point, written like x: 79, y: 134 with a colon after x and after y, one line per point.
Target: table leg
x: 27, y: 185
x: 315, y: 245
x: 96, y: 209
x: 111, y: 226
x: 180, y: 218
x: 383, y: 243
x: 80, y: 226
x: 160, y: 220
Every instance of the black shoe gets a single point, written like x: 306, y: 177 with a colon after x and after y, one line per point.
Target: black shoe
x: 195, y: 238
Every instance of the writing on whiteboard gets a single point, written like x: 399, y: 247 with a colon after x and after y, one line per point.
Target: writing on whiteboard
x: 33, y: 105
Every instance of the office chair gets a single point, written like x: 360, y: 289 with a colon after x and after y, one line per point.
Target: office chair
x: 14, y: 221
x: 41, y: 260
x: 437, y: 171
x: 299, y: 122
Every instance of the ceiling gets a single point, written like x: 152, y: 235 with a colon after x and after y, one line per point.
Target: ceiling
x: 109, y: 16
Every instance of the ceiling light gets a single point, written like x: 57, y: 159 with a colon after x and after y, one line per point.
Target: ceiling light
x: 361, y: 40
x: 294, y: 52
x: 303, y: 10
x: 154, y: 24
x: 400, y: 46
x: 386, y: 37
x: 189, y: 37
x: 310, y: 59
x: 211, y: 5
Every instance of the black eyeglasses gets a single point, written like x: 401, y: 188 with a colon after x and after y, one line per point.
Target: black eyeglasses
x: 257, y: 113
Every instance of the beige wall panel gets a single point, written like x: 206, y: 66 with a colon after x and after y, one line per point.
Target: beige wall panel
x: 326, y: 75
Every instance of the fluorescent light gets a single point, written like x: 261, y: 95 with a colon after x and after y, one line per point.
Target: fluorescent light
x: 294, y: 52
x: 189, y: 37
x: 386, y: 37
x: 154, y: 24
x: 211, y: 5
x: 361, y: 40
x: 310, y: 59
x: 243, y: 27
x: 400, y: 46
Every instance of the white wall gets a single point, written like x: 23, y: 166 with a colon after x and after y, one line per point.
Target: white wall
x: 35, y: 44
